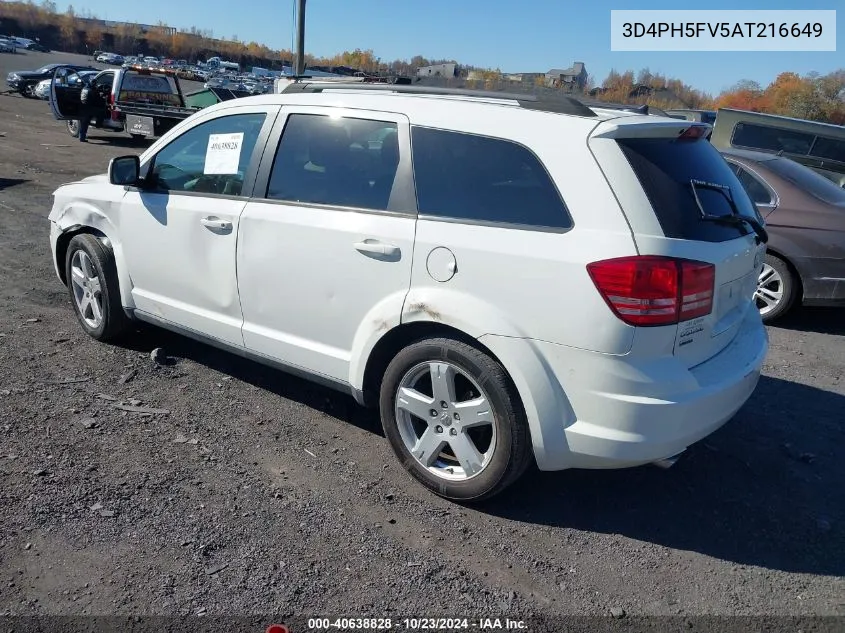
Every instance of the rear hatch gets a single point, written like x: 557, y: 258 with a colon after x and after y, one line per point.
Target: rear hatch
x: 672, y: 185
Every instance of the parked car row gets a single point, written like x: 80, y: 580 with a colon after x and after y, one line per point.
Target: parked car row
x: 11, y: 44
x: 26, y: 81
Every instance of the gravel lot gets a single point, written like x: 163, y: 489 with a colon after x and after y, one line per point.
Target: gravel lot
x: 259, y: 493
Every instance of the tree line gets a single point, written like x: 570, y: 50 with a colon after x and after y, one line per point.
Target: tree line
x: 814, y: 96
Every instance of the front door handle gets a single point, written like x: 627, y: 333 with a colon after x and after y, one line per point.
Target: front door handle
x: 374, y: 247
x: 213, y: 222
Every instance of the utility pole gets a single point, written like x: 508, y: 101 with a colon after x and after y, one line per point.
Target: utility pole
x: 300, y: 39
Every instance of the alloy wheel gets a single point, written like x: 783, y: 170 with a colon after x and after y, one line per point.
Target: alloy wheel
x: 769, y: 291
x: 87, y: 290
x: 445, y: 420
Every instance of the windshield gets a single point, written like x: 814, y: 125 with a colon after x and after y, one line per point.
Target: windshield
x: 44, y: 69
x: 807, y: 180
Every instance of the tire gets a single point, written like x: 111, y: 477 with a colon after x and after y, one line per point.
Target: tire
x: 777, y: 289
x: 73, y: 128
x: 28, y: 92
x: 102, y: 287
x: 502, y: 460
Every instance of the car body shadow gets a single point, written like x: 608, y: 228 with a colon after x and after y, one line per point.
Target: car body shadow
x: 118, y: 140
x: 8, y: 183
x: 820, y: 320
x: 323, y: 399
x: 765, y: 490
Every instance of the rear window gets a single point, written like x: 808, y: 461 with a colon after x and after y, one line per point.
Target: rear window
x: 807, y: 180
x: 829, y: 148
x: 156, y: 89
x: 665, y: 169
x: 771, y: 138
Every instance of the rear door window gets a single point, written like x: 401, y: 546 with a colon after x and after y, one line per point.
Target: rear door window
x: 666, y: 168
x: 481, y: 179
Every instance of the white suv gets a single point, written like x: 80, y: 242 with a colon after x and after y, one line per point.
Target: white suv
x: 505, y: 279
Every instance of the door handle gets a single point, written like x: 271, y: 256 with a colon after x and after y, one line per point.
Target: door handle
x: 213, y: 222
x: 374, y: 247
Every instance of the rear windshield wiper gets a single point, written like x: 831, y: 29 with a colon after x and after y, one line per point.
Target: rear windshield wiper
x: 735, y: 218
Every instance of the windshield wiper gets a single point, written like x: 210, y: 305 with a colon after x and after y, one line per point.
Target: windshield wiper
x: 735, y: 218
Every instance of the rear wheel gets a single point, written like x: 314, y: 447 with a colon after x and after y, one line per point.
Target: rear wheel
x: 73, y: 128
x: 454, y: 420
x: 777, y: 289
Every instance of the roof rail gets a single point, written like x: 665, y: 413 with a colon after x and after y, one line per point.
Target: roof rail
x: 562, y: 105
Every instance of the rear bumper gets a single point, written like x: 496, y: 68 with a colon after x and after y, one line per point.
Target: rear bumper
x: 618, y: 411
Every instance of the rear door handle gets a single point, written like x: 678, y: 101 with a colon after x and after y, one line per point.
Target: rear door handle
x: 374, y: 247
x: 213, y: 222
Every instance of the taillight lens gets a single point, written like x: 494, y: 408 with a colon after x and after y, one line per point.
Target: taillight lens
x: 650, y: 290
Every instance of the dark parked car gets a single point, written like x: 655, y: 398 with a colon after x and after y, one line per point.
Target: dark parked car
x: 24, y: 81
x: 805, y: 218
x: 38, y: 47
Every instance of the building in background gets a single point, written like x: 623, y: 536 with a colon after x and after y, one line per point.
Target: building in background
x: 438, y: 70
x: 572, y: 79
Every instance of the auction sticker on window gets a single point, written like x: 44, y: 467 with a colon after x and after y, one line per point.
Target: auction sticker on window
x: 223, y: 155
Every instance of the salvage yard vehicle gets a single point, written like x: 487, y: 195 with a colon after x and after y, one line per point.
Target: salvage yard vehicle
x: 499, y: 295
x: 805, y: 219
x: 42, y: 90
x: 143, y: 103
x: 25, y: 81
x: 819, y: 146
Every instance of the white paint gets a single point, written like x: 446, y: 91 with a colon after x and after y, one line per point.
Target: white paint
x: 294, y: 283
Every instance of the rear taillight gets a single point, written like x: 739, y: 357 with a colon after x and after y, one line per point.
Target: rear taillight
x: 651, y: 290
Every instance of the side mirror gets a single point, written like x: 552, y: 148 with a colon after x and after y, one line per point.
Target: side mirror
x: 125, y: 170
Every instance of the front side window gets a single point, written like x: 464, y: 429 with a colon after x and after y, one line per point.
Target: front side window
x: 481, y: 179
x: 212, y: 157
x: 335, y: 161
x: 757, y: 191
x: 771, y: 138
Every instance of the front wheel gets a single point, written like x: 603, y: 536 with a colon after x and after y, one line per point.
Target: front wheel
x: 453, y: 418
x: 777, y: 289
x: 94, y: 290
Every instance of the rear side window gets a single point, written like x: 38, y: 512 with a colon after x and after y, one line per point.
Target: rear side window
x: 665, y: 169
x: 758, y: 192
x: 481, y: 179
x: 771, y: 138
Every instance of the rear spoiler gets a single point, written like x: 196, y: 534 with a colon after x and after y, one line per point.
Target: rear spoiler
x: 649, y: 127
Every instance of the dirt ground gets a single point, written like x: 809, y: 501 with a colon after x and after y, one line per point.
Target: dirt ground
x: 259, y: 493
